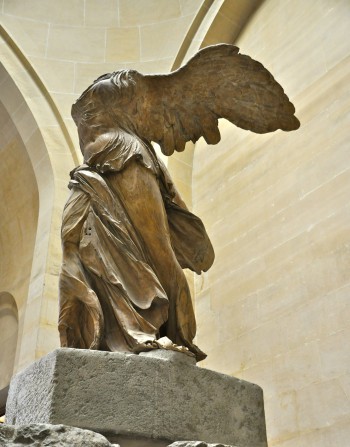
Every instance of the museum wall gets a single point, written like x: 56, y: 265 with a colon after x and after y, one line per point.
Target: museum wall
x: 19, y: 218
x: 274, y: 307
x: 71, y: 42
x: 45, y: 153
x: 19, y: 212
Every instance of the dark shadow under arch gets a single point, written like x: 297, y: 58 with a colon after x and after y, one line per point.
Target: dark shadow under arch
x: 8, y: 346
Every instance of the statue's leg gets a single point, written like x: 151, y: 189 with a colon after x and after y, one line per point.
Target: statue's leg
x: 80, y: 315
x: 143, y: 201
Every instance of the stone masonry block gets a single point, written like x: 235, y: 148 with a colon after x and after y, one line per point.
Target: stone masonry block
x: 159, y: 395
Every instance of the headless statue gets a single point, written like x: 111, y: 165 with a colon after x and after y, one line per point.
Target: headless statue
x: 127, y: 235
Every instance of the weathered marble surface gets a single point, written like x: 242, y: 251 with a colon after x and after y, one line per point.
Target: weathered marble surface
x: 164, y: 399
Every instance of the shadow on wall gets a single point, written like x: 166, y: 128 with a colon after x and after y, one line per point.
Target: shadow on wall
x: 8, y: 345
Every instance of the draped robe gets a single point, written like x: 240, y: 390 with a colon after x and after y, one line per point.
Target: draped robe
x: 126, y: 236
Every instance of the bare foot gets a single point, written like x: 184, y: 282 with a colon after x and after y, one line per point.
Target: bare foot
x: 162, y: 343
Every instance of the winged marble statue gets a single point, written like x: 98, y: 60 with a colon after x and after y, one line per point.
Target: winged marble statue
x: 127, y: 235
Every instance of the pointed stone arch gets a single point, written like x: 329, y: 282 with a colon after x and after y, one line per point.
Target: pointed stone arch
x: 40, y: 138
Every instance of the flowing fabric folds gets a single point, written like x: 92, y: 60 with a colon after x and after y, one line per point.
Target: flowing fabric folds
x: 107, y: 277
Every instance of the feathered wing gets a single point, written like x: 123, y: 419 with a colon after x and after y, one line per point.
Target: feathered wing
x: 218, y: 82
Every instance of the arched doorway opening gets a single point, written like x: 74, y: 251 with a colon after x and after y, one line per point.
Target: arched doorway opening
x: 8, y: 345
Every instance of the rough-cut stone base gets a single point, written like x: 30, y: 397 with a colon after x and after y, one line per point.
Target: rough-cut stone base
x: 50, y: 436
x: 160, y: 396
x: 63, y: 436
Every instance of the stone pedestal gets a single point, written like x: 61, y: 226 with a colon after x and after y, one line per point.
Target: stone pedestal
x: 160, y: 396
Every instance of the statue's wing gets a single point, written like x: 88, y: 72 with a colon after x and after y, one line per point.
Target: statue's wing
x: 218, y: 82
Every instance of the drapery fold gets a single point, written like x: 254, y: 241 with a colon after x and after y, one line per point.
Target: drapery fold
x: 108, y: 274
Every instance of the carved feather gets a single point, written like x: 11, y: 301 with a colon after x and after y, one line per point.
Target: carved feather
x: 218, y: 82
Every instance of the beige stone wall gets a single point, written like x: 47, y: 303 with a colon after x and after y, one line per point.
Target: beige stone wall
x: 70, y: 43
x: 19, y: 220
x: 19, y: 212
x: 274, y: 309
x: 33, y: 142
x: 9, y: 330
